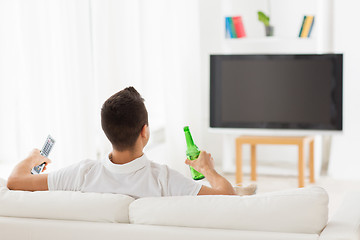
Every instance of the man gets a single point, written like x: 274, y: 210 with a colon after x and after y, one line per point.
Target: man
x: 126, y: 169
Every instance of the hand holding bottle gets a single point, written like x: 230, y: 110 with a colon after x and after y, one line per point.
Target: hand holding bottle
x: 204, y: 163
x: 192, y: 152
x: 219, y: 185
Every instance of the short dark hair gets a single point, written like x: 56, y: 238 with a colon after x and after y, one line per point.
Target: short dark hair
x: 123, y: 116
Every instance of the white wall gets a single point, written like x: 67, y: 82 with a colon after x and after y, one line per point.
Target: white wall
x: 345, y: 158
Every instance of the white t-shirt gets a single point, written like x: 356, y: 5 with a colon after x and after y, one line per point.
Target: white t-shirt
x: 138, y: 178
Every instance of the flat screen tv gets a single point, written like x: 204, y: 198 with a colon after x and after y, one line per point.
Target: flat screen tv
x: 299, y: 92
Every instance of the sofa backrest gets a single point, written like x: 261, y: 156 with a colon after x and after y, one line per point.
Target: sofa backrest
x: 65, y: 205
x: 293, y: 211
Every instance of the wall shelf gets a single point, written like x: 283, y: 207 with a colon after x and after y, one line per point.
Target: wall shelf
x: 269, y: 45
x: 269, y: 39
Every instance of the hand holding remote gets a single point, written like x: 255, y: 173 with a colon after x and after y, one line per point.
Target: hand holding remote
x: 45, y: 151
x: 38, y: 159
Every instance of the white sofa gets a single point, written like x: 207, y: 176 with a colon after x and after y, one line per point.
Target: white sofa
x: 292, y: 214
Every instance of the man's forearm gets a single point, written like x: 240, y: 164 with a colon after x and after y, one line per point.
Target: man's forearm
x: 21, y: 171
x: 23, y: 168
x: 21, y: 177
x: 219, y: 183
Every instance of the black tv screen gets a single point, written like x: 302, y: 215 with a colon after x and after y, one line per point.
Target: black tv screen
x: 276, y: 91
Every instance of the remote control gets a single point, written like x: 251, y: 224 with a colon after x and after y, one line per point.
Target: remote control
x: 45, y: 151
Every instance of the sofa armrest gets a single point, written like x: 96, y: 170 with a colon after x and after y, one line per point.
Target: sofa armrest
x: 345, y: 224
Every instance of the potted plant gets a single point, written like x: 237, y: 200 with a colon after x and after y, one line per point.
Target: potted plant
x: 269, y: 30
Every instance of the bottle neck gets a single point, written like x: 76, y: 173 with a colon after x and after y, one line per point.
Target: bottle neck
x: 189, y: 139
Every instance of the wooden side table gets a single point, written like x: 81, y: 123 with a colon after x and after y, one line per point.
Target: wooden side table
x: 254, y: 140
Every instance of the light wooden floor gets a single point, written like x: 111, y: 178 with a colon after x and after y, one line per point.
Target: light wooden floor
x: 335, y: 188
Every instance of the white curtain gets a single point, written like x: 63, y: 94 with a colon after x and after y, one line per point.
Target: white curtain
x: 61, y: 59
x: 46, y: 79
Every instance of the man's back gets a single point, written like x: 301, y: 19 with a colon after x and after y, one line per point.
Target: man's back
x: 138, y: 178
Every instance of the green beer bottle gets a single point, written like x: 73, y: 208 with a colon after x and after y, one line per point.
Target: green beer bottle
x: 192, y: 153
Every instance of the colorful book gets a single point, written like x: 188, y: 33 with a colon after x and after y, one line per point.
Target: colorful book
x: 302, y: 26
x: 312, y: 24
x: 232, y: 28
x: 239, y: 26
x: 227, y: 28
x: 307, y: 25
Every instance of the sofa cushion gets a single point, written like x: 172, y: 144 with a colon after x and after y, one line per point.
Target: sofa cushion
x: 294, y: 211
x: 96, y: 207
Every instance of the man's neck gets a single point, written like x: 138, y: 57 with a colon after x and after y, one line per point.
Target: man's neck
x: 123, y: 157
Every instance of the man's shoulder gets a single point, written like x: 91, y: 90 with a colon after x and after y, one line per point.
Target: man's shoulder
x: 162, y: 169
x: 71, y: 177
x: 89, y: 163
x: 83, y: 165
x: 86, y: 162
x: 157, y: 167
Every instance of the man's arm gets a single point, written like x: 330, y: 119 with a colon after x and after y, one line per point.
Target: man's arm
x: 219, y: 185
x: 21, y: 177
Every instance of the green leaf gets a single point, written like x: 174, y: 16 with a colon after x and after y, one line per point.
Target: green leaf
x: 263, y: 18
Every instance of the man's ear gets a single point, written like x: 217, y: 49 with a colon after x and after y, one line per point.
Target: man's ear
x: 145, y: 134
x: 145, y: 131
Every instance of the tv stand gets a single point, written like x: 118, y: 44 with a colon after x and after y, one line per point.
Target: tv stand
x: 254, y: 140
